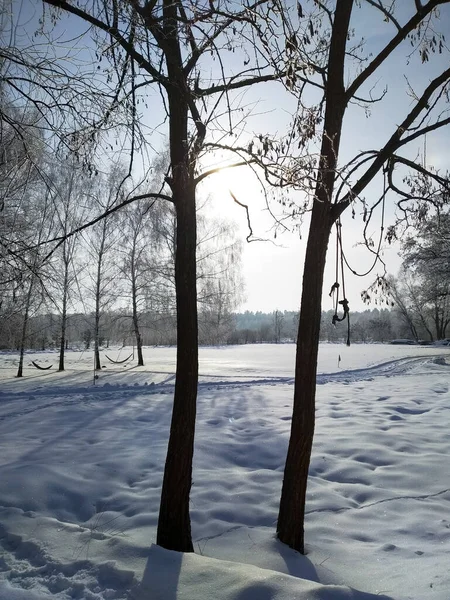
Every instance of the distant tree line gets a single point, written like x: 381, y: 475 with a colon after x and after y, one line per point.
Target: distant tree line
x: 113, y: 282
x: 158, y: 328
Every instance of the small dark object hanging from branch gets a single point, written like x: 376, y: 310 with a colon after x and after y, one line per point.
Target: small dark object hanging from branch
x: 346, y: 308
x: 334, y: 287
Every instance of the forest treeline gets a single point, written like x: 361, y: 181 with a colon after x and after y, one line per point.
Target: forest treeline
x: 371, y: 325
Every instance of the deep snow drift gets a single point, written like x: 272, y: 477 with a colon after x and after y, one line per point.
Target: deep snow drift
x: 81, y: 469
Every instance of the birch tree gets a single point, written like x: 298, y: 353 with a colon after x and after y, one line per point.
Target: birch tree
x: 102, y: 271
x: 70, y: 189
x: 138, y: 251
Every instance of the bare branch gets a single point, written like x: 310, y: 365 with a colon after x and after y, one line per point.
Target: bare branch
x: 401, y: 35
x: 387, y: 13
x: 202, y: 176
x: 105, y: 214
x: 394, y: 143
x: 115, y: 34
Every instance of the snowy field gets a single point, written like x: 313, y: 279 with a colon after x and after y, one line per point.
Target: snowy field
x: 81, y: 469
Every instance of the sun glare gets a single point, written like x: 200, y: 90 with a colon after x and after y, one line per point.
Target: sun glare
x: 240, y: 182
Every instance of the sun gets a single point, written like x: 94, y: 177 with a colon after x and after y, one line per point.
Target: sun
x: 232, y: 184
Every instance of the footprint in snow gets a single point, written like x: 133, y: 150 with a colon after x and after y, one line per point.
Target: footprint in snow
x: 388, y: 547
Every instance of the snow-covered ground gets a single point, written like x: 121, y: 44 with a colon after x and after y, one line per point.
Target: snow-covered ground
x: 81, y: 469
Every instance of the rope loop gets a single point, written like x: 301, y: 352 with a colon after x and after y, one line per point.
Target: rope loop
x: 336, y: 285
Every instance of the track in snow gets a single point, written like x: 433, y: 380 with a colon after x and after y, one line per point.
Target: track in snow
x: 392, y: 368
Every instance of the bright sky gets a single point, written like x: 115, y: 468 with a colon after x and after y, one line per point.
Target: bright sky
x: 273, y: 269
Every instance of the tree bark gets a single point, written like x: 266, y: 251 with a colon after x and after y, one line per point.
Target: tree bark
x: 135, y: 317
x: 23, y: 336
x: 291, y: 516
x: 64, y: 317
x: 98, y: 284
x: 174, y: 525
x: 97, y: 363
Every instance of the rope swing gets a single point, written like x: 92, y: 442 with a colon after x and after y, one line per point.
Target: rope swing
x: 336, y: 285
x: 40, y: 367
x: 120, y: 362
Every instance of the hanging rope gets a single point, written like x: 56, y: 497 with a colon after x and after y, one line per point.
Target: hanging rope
x: 119, y: 362
x: 377, y: 258
x: 341, y: 258
x: 336, y: 285
x: 39, y: 366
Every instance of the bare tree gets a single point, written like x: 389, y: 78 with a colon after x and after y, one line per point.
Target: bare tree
x: 33, y: 287
x: 400, y: 299
x: 169, y: 45
x: 22, y: 153
x: 422, y: 290
x: 220, y: 286
x: 70, y: 196
x: 427, y: 258
x: 329, y: 73
x: 101, y: 245
x: 278, y: 322
x: 138, y: 250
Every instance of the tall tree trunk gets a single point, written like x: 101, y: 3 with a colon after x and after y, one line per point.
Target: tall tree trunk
x: 63, y: 318
x: 174, y: 525
x: 97, y: 363
x: 292, y: 504
x: 23, y: 336
x: 134, y: 303
x: 135, y: 317
x: 438, y: 321
x: 290, y: 526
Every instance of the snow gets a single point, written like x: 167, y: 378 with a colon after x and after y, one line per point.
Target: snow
x: 81, y: 464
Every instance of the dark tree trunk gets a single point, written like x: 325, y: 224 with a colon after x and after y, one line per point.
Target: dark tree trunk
x: 23, y: 336
x: 174, y: 525
x: 138, y: 338
x: 139, y: 350
x: 63, y: 319
x: 97, y: 363
x: 135, y: 315
x: 290, y: 526
x: 292, y: 505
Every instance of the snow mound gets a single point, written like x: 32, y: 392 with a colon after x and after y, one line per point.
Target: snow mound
x: 175, y: 576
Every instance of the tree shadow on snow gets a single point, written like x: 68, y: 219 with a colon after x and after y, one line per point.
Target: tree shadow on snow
x: 161, y: 576
x: 297, y: 564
